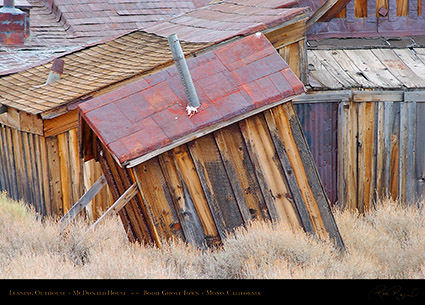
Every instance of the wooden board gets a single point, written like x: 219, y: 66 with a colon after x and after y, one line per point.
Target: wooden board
x: 64, y: 168
x: 420, y: 151
x: 365, y: 156
x: 325, y: 59
x: 134, y: 216
x: 61, y: 124
x: 397, y: 68
x: 216, y: 185
x: 269, y: 170
x: 312, y: 180
x: 373, y: 69
x: 157, y: 199
x: 184, y: 203
x: 241, y: 171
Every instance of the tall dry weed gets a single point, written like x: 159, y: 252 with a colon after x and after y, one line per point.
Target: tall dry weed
x: 385, y: 243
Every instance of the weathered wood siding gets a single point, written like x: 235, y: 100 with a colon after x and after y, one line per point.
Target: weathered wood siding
x: 260, y: 168
x: 47, y: 172
x: 362, y: 18
x: 290, y: 42
x: 379, y: 150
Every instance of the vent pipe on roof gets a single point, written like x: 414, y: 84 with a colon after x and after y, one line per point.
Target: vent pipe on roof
x: 55, y: 71
x: 185, y: 77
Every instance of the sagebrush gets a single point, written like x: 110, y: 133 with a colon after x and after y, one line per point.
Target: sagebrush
x: 387, y: 242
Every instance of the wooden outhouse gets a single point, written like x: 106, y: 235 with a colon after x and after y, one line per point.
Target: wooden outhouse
x: 242, y: 156
x: 39, y: 156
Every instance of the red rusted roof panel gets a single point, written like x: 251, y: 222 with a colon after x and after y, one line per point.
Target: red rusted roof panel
x: 230, y: 81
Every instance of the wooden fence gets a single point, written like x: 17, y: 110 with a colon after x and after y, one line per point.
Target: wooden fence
x: 375, y: 145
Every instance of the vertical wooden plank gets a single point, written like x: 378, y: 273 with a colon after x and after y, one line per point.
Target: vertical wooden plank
x: 237, y: 162
x: 134, y: 216
x: 13, y: 165
x: 350, y: 157
x: 39, y: 166
x: 189, y: 176
x: 278, y: 117
x: 302, y: 58
x: 19, y: 164
x: 224, y: 150
x: 88, y: 180
x: 366, y: 115
x: 380, y: 151
x: 313, y: 185
x: 64, y: 167
x: 360, y: 8
x: 268, y: 170
x: 388, y: 119
x: 342, y: 142
x: 402, y: 7
x: 29, y: 170
x: 215, y: 183
x: 395, y: 150
x: 411, y: 152
x: 420, y: 151
x: 76, y: 169
x: 287, y: 152
x: 4, y: 166
x: 54, y: 175
x: 45, y: 176
x: 183, y: 202
x: 157, y: 199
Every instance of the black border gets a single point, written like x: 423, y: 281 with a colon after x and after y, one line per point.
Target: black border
x: 282, y: 291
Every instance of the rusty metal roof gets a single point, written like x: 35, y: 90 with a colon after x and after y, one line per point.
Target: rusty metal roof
x: 232, y: 81
x: 86, y: 71
x: 222, y: 20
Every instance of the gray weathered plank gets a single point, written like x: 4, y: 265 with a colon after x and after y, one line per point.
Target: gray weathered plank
x: 82, y: 202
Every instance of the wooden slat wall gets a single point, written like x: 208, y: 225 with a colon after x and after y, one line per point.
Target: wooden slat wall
x: 47, y: 172
x: 259, y: 168
x: 380, y: 151
x: 363, y: 18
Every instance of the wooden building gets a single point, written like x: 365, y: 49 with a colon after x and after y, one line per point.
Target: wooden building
x: 362, y: 116
x: 39, y: 153
x: 39, y: 121
x: 241, y: 157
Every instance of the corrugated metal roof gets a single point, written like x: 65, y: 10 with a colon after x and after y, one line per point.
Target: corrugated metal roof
x: 150, y: 113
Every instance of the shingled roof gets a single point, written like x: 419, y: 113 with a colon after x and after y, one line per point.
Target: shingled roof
x: 86, y: 71
x: 59, y: 26
x: 233, y: 81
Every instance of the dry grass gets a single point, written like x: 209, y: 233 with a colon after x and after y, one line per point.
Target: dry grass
x: 386, y: 243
